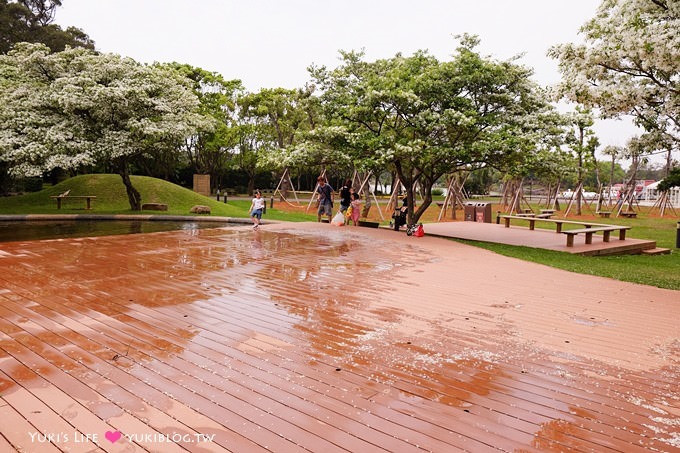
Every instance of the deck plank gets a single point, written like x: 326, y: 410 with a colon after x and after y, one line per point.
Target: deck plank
x: 15, y: 432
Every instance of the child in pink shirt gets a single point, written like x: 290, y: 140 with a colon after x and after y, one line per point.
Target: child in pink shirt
x: 356, y: 208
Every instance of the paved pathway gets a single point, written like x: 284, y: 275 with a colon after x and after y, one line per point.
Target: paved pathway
x: 309, y: 337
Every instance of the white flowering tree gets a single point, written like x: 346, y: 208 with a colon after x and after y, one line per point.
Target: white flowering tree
x: 78, y: 107
x: 628, y: 65
x: 425, y: 119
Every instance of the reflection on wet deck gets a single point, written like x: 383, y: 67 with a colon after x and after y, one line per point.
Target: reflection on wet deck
x: 313, y: 338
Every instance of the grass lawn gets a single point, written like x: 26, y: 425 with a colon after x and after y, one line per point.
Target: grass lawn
x: 662, y: 271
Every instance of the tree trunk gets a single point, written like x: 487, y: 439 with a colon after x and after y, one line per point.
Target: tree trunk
x: 611, y: 180
x: 410, y: 183
x: 516, y: 196
x: 427, y: 201
x: 367, y: 206
x: 393, y: 175
x: 579, y: 191
x: 285, y: 185
x: 134, y: 197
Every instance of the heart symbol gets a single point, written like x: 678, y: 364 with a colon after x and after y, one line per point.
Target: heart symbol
x: 112, y: 436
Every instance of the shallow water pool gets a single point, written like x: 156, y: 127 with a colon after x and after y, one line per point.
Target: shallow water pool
x: 53, y: 229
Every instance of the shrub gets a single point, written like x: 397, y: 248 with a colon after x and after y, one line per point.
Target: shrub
x: 30, y: 184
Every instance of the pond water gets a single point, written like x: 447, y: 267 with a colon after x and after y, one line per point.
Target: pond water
x: 54, y: 229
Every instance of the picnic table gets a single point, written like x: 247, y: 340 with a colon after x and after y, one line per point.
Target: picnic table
x: 589, y: 228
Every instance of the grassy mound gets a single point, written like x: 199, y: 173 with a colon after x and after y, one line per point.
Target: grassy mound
x: 112, y: 198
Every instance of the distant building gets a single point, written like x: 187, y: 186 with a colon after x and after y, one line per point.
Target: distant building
x: 651, y: 193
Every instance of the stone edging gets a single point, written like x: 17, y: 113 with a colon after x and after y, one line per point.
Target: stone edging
x: 146, y: 217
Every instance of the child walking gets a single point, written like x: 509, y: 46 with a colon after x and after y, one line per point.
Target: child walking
x: 356, y: 208
x: 256, y: 208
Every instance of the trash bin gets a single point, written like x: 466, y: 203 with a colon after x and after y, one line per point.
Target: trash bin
x: 483, y: 212
x: 469, y: 209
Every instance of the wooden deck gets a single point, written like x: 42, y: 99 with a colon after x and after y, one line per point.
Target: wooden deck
x: 538, y: 238
x: 310, y: 337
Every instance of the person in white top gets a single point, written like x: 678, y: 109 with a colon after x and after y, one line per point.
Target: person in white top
x: 256, y: 208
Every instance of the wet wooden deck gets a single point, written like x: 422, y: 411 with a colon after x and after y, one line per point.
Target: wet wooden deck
x: 543, y: 237
x: 316, y: 338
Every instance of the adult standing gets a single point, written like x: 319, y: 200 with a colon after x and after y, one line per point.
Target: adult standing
x: 345, y: 196
x: 325, y: 193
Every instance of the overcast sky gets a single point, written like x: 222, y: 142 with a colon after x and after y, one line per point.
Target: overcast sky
x: 270, y: 43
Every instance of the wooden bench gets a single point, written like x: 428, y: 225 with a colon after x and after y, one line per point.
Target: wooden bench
x: 588, y: 228
x: 629, y: 214
x: 606, y: 231
x: 605, y: 214
x: 558, y: 222
x: 548, y: 211
x: 537, y: 216
x: 61, y: 197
